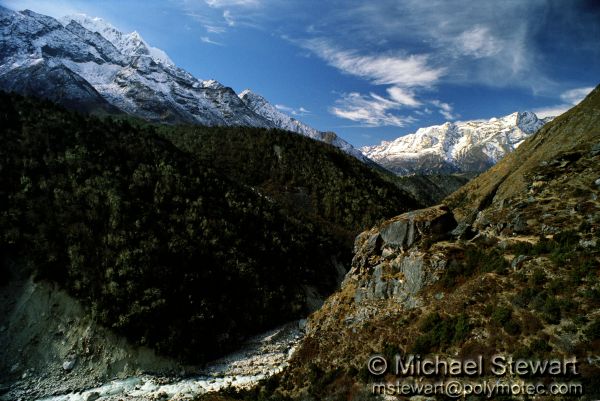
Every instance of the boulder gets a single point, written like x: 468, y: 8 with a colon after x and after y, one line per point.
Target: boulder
x: 93, y: 396
x: 69, y: 364
x: 408, y: 228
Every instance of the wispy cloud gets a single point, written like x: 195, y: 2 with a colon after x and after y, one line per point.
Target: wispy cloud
x: 214, y: 29
x: 484, y: 42
x: 207, y: 40
x: 219, y: 16
x: 407, y: 71
x: 233, y: 3
x: 445, y: 110
x: 403, y: 74
x: 574, y: 96
x: 370, y: 111
x: 478, y: 42
x: 570, y: 98
x: 228, y: 18
x: 301, y: 111
x: 403, y: 96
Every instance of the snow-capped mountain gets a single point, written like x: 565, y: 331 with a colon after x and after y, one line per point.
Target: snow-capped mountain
x: 122, y: 68
x: 131, y: 44
x: 263, y: 108
x: 468, y: 146
x: 88, y: 64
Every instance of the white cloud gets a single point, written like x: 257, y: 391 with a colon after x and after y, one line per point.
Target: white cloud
x: 574, y: 96
x: 228, y: 18
x: 404, y: 71
x: 445, y: 110
x: 214, y: 29
x: 478, y: 42
x: 233, y: 3
x: 402, y: 96
x: 552, y: 111
x: 301, y: 111
x: 209, y: 41
x: 372, y: 110
x: 482, y: 42
x: 571, y: 98
x: 221, y: 15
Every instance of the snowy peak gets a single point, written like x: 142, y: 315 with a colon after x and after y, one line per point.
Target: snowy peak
x: 131, y: 44
x: 467, y: 146
x: 212, y: 84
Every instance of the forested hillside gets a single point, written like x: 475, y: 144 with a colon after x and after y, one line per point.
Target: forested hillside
x: 164, y: 249
x: 176, y: 251
x: 307, y: 178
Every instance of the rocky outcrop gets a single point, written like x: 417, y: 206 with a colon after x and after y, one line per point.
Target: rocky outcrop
x: 407, y: 229
x: 390, y: 262
x: 401, y: 233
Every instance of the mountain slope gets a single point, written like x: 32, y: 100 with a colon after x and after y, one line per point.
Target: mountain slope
x: 58, y: 84
x: 316, y: 182
x: 167, y: 247
x: 131, y: 44
x: 162, y: 248
x: 262, y: 107
x: 470, y: 146
x: 574, y: 129
x: 515, y: 274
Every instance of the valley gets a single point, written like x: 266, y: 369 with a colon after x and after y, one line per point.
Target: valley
x: 169, y: 237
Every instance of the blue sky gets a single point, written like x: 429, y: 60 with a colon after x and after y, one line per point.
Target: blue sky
x: 373, y: 71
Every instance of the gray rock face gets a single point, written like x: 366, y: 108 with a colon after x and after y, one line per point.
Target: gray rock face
x: 58, y: 84
x: 518, y: 261
x: 406, y: 229
x: 93, y: 396
x: 400, y: 281
x: 388, y: 263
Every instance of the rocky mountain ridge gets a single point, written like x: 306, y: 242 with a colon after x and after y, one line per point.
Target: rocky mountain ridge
x: 262, y: 107
x: 87, y: 64
x: 468, y: 146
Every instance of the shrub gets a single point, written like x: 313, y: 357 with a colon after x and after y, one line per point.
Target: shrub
x: 440, y: 332
x: 543, y: 246
x: 474, y: 261
x: 551, y: 311
x: 592, y: 332
x: 501, y: 315
x: 521, y: 248
x: 462, y: 328
x: 539, y: 346
x: 537, y: 278
x: 524, y: 297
